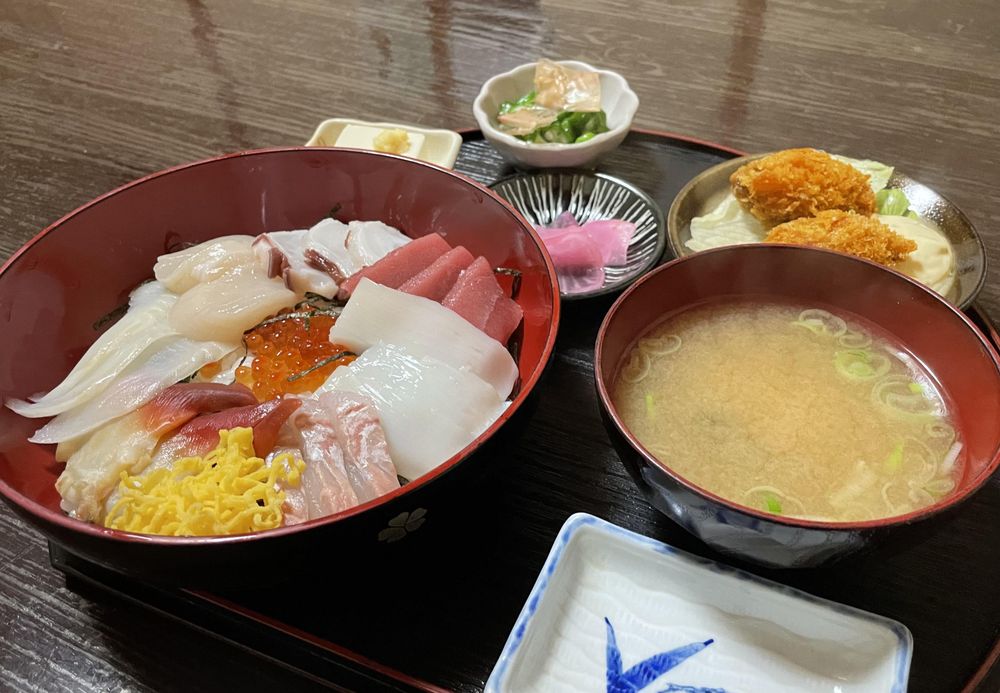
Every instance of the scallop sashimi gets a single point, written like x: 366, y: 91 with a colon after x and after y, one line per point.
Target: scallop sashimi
x: 204, y: 262
x: 226, y: 307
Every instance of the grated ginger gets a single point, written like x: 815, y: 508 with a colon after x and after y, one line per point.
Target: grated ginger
x: 228, y: 491
x: 394, y: 141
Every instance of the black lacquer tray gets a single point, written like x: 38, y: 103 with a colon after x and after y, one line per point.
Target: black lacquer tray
x: 439, y: 618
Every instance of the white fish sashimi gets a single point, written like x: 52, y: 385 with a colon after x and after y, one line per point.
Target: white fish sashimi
x: 224, y: 308
x: 140, y: 327
x: 429, y: 410
x: 170, y: 360
x: 204, y: 262
x: 370, y: 241
x: 282, y: 254
x: 325, y: 486
x: 424, y: 327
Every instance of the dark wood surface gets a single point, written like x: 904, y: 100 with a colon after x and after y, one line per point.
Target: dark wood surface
x: 94, y: 94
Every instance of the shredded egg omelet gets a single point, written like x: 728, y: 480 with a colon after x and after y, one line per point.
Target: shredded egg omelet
x: 228, y: 491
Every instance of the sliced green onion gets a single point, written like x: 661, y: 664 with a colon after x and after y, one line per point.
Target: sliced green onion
x: 650, y: 405
x: 894, y: 461
x: 773, y: 504
x: 860, y: 364
x: 916, y: 388
x: 821, y: 322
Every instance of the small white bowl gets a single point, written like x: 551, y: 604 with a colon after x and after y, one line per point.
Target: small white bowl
x: 439, y: 146
x: 617, y: 99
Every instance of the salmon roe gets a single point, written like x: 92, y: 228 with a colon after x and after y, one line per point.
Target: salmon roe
x: 286, y: 348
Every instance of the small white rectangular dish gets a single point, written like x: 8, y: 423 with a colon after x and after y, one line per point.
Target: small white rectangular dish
x: 616, y: 611
x: 432, y: 145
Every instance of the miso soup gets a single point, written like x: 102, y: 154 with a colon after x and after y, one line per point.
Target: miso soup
x: 793, y: 411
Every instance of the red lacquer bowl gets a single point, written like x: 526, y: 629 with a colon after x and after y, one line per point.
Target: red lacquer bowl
x: 54, y: 289
x: 949, y: 345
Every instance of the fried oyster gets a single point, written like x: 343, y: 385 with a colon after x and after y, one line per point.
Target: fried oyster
x: 846, y: 232
x: 797, y: 183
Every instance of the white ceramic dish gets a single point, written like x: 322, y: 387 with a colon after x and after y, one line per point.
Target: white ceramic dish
x: 618, y: 100
x: 436, y: 146
x: 616, y: 611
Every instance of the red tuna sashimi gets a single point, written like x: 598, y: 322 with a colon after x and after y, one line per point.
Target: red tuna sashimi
x: 436, y: 281
x: 399, y: 265
x: 201, y: 435
x: 180, y: 403
x: 477, y: 295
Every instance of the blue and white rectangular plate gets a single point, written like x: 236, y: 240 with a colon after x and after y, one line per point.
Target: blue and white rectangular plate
x: 616, y: 611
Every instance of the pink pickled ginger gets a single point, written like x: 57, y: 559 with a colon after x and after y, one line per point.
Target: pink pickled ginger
x: 580, y: 253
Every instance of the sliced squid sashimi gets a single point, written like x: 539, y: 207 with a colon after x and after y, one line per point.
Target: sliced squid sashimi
x: 168, y: 361
x: 429, y: 410
x: 140, y: 328
x: 200, y: 435
x: 342, y: 431
x: 370, y: 241
x: 399, y: 265
x: 436, y: 281
x: 127, y: 443
x: 477, y: 295
x: 326, y: 250
x: 282, y: 254
x: 204, y: 262
x: 377, y: 313
x: 226, y: 307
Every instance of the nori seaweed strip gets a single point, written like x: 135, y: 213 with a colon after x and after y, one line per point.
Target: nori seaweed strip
x: 319, y: 364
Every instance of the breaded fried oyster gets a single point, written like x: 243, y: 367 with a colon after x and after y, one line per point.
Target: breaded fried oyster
x: 797, y: 183
x: 846, y: 232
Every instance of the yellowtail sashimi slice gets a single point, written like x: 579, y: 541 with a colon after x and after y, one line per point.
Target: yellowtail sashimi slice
x: 429, y: 410
x: 424, y: 327
x: 169, y: 360
x: 143, y: 324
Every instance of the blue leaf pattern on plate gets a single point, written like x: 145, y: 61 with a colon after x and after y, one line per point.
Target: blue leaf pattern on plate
x: 645, y: 672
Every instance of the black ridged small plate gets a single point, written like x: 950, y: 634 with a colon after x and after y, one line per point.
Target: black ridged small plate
x: 541, y: 196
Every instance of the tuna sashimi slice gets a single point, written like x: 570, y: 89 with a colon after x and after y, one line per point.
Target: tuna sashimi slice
x: 504, y: 319
x: 436, y: 281
x: 477, y: 297
x: 474, y: 294
x: 399, y: 265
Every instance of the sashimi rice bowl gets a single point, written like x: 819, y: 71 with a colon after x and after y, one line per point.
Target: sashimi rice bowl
x: 278, y: 345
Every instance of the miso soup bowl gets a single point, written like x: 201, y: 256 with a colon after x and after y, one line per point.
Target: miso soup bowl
x: 958, y: 355
x: 54, y: 291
